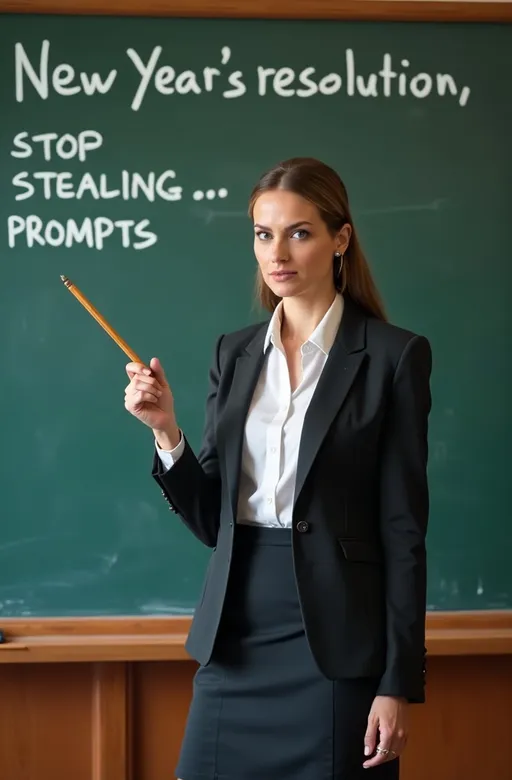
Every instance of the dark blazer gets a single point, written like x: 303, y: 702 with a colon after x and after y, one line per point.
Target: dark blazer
x: 361, y: 499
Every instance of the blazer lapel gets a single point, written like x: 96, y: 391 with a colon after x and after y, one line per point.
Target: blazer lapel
x: 340, y: 370
x: 246, y: 373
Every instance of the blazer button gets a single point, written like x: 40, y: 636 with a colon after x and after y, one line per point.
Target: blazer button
x: 302, y: 526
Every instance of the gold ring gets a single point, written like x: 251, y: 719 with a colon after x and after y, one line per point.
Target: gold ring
x: 384, y: 751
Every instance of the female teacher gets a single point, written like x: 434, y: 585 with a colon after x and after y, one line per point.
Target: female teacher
x: 311, y: 489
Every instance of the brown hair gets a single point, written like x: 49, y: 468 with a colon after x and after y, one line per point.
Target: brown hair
x: 318, y: 183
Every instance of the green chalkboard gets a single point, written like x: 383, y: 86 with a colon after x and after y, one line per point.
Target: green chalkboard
x: 159, y: 152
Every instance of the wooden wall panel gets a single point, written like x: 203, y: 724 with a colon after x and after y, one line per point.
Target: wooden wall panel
x: 107, y: 699
x: 45, y: 722
x: 111, y: 713
x: 462, y: 732
x: 124, y: 721
x: 161, y: 693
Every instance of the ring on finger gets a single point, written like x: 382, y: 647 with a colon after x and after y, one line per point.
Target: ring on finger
x: 384, y: 751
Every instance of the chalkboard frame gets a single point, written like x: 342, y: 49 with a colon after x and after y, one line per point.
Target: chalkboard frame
x: 154, y: 638
x: 485, y: 632
x: 377, y: 10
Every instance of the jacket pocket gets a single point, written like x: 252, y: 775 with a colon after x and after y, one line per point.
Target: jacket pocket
x: 360, y: 550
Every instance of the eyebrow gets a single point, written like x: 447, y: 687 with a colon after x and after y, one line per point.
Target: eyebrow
x: 288, y: 227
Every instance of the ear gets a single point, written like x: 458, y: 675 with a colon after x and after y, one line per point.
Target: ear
x: 343, y: 238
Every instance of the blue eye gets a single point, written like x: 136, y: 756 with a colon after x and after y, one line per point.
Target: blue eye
x: 264, y: 235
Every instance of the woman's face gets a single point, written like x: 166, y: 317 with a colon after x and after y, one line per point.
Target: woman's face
x: 293, y: 246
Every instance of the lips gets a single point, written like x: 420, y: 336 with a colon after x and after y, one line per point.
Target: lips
x: 282, y: 274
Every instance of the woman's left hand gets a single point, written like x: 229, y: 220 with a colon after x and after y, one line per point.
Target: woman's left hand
x: 387, y: 719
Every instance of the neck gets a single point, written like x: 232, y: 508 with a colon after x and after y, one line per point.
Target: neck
x: 301, y: 316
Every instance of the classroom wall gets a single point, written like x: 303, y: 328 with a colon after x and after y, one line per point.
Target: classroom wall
x: 106, y: 699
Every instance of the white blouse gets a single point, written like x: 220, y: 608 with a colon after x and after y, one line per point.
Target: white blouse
x: 274, y: 424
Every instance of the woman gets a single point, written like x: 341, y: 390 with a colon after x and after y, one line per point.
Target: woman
x: 311, y: 489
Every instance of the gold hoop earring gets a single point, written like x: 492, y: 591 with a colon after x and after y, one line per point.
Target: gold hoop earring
x: 340, y: 274
x: 344, y: 278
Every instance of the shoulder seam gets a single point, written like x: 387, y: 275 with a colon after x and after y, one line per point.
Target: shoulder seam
x: 415, y: 337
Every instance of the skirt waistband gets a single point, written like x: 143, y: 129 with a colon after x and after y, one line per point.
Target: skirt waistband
x: 262, y: 535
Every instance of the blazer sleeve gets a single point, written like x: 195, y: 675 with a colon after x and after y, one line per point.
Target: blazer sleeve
x: 192, y: 486
x: 404, y: 509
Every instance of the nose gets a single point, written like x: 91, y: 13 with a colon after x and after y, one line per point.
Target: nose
x: 279, y: 251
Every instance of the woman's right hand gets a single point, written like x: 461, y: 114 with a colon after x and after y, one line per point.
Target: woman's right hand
x: 149, y: 398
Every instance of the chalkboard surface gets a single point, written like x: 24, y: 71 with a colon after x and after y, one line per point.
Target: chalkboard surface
x: 128, y: 148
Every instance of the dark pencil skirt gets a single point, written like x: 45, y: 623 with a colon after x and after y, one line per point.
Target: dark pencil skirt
x: 261, y: 709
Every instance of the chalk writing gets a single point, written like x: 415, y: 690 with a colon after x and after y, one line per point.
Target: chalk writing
x: 385, y: 80
x: 41, y: 75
